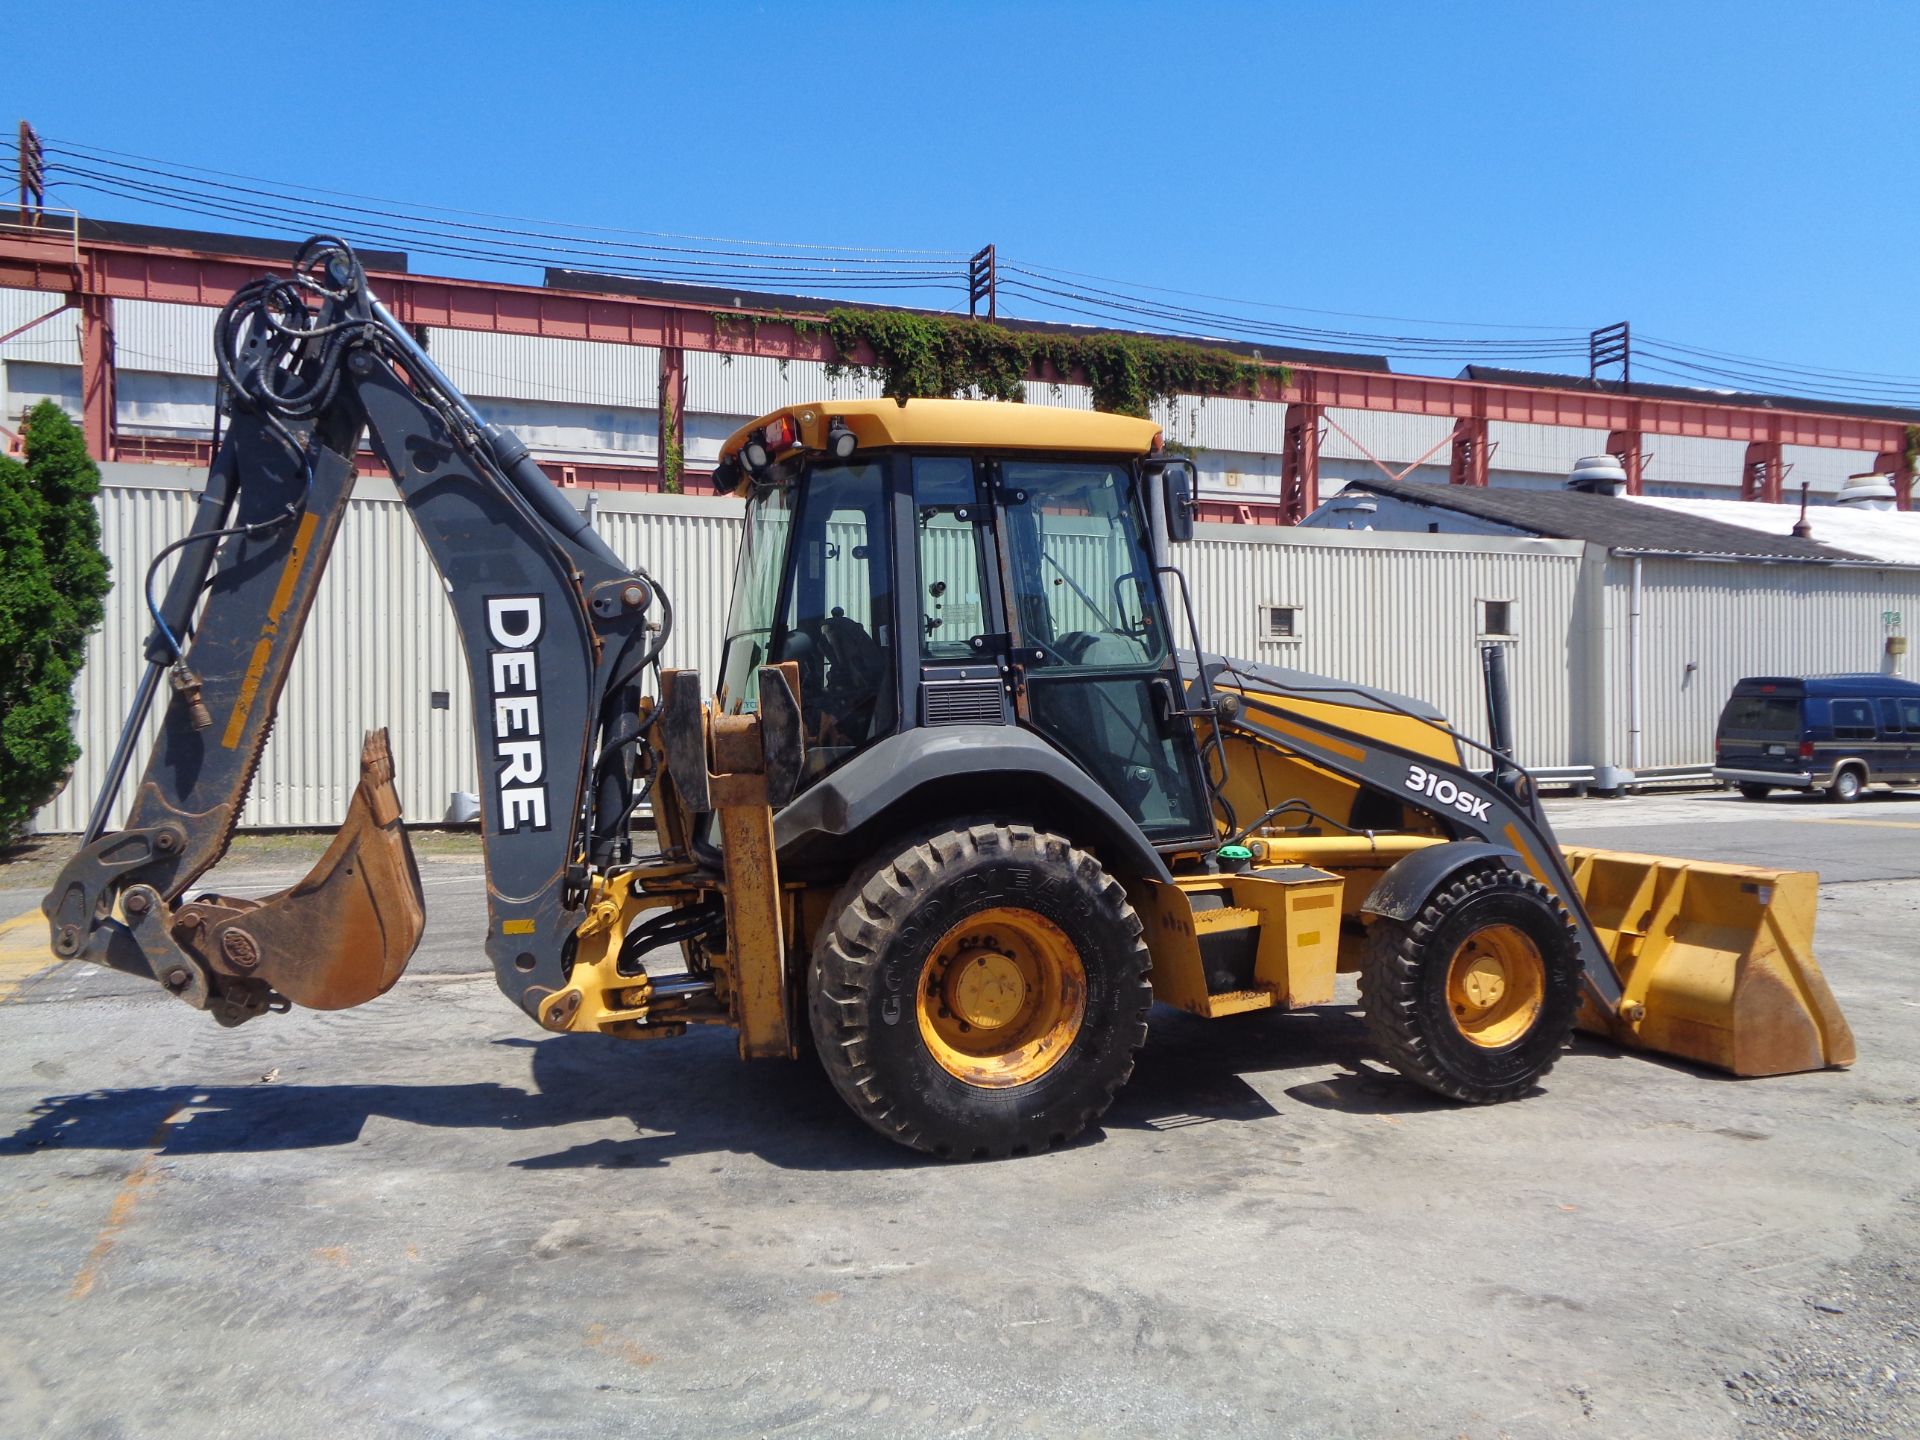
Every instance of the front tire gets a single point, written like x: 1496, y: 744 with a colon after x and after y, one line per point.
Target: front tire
x: 980, y: 993
x: 1475, y: 997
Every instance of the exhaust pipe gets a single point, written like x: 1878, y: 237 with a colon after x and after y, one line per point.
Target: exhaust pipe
x: 1493, y: 669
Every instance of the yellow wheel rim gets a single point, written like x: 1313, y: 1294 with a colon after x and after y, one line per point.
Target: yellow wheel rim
x: 1001, y: 998
x: 1496, y: 983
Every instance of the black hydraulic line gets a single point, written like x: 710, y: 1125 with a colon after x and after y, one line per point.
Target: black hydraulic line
x: 122, y: 753
x: 1292, y: 807
x: 685, y: 923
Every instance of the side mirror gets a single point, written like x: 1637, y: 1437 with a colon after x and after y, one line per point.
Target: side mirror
x: 1182, y: 484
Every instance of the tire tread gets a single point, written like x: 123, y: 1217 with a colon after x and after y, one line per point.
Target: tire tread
x: 868, y: 911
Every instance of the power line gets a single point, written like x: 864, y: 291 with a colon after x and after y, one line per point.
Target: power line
x: 300, y: 209
x: 293, y: 219
x: 100, y: 151
x: 772, y: 261
x: 1056, y: 273
x: 1242, y: 328
x: 1565, y: 344
x: 1783, y: 367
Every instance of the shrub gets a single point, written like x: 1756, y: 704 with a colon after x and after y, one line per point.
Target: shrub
x: 53, y: 579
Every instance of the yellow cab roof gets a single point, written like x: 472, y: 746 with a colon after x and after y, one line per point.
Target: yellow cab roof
x: 961, y: 424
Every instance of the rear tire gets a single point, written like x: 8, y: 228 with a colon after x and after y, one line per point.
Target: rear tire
x: 1755, y: 792
x: 980, y: 993
x: 1846, y: 787
x: 1476, y: 996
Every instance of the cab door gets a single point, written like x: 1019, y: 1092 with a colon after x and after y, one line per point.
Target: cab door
x: 1089, y: 646
x: 962, y: 676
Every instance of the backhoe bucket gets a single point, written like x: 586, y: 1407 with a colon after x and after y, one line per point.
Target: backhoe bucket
x: 342, y: 935
x: 1716, y: 962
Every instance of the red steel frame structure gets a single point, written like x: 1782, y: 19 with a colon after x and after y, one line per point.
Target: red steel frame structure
x: 93, y: 274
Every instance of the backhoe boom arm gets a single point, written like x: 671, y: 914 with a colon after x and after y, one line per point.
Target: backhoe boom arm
x: 557, y: 631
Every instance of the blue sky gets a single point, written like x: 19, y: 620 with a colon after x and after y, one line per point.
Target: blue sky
x: 1737, y: 177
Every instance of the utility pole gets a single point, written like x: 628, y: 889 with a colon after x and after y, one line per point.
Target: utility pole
x: 1611, y: 345
x: 983, y: 284
x: 33, y: 176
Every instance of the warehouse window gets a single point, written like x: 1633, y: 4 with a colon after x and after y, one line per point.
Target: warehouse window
x: 1496, y: 617
x: 1283, y: 622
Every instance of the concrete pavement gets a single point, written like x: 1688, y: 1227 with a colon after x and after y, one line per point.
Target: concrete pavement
x: 426, y: 1218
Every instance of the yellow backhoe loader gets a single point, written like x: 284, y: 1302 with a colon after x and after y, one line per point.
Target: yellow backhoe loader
x: 958, y: 810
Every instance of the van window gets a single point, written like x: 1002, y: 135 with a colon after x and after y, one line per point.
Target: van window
x: 1889, y: 716
x: 1852, y: 720
x: 1770, y: 717
x: 1910, y: 712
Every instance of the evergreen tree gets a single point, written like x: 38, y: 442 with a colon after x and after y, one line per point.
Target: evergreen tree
x: 53, y: 578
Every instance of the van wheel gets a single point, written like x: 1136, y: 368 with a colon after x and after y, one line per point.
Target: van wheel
x: 980, y: 993
x: 1846, y: 787
x: 1755, y: 792
x: 1475, y: 996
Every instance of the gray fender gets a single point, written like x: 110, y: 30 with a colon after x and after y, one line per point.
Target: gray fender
x: 955, y: 760
x: 1402, y: 892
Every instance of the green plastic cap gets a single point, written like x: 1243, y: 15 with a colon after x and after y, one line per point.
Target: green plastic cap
x: 1234, y: 852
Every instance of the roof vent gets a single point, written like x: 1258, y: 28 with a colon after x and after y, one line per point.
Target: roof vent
x: 1598, y: 475
x: 1349, y: 512
x: 1867, y: 492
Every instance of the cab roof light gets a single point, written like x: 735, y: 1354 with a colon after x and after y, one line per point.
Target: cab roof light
x: 773, y: 437
x: 841, y: 442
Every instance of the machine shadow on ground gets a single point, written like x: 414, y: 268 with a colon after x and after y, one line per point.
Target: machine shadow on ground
x: 695, y: 1097
x: 1198, y: 1069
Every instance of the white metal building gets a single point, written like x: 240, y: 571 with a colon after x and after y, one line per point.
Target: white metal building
x: 1404, y: 610
x: 1676, y: 602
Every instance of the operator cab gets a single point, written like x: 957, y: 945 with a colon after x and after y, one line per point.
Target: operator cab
x: 965, y: 563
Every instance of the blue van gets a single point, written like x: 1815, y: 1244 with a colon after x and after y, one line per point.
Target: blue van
x: 1837, y: 733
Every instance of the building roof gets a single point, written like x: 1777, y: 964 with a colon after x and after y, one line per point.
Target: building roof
x: 1891, y: 535
x: 780, y: 303
x: 213, y: 242
x: 1803, y: 404
x: 969, y: 424
x: 1616, y: 523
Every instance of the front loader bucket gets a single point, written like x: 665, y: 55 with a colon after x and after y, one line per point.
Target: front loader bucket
x: 342, y: 935
x: 1716, y: 962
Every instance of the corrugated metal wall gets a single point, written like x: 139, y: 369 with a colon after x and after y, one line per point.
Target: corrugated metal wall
x: 1400, y: 611
x: 380, y: 642
x: 1705, y: 625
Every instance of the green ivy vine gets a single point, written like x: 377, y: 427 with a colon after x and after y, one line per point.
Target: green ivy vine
x: 919, y: 356
x: 673, y: 456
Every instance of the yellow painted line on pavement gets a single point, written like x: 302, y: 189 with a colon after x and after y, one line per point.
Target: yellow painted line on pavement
x: 24, y: 952
x: 121, y: 1211
x: 1849, y: 820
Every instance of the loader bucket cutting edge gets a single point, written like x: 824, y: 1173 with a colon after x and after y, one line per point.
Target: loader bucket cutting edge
x: 341, y: 936
x: 1715, y: 962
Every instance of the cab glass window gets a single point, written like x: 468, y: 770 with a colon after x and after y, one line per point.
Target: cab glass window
x: 1082, y: 580
x: 756, y: 595
x: 953, y: 564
